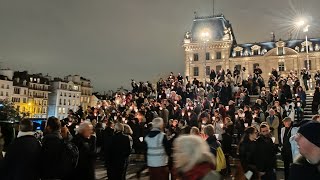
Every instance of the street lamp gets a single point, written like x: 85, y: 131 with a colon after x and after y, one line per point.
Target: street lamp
x: 302, y: 24
x: 205, y: 39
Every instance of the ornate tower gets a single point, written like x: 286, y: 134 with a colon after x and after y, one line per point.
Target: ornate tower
x: 208, y: 46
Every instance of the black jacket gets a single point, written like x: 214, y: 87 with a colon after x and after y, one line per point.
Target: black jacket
x: 85, y: 168
x: 302, y: 169
x: 22, y: 159
x: 247, y: 155
x: 119, y: 149
x: 51, y: 159
x: 267, y: 151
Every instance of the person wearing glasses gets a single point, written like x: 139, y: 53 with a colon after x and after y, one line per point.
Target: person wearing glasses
x: 307, y: 166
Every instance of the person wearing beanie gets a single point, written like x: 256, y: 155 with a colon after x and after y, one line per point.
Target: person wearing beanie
x: 308, y: 165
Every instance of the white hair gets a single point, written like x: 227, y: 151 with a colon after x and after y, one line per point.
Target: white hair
x: 157, y: 122
x: 119, y: 127
x: 190, y: 150
x: 83, y: 126
x: 127, y: 129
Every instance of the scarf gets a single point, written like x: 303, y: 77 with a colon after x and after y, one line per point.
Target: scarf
x: 198, y: 171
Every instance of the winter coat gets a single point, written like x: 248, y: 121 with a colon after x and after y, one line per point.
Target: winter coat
x: 22, y: 159
x: 302, y: 169
x: 51, y: 159
x: 248, y: 155
x: 85, y: 167
x: 274, y: 127
x: 267, y: 161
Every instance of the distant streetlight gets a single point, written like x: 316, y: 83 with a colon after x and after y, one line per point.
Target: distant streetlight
x: 305, y: 28
x: 205, y: 38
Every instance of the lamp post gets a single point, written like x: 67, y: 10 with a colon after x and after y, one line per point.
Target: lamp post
x: 205, y: 39
x: 305, y: 26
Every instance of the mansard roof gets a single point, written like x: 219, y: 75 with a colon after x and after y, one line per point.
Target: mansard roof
x: 214, y: 25
x: 264, y: 47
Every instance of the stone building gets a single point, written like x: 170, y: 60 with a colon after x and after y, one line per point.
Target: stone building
x: 64, y: 96
x: 86, y: 89
x: 35, y: 102
x: 211, y: 44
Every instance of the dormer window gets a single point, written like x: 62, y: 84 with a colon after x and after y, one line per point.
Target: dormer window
x: 316, y: 47
x: 308, y: 45
x: 280, y: 51
x: 255, y: 50
x: 297, y: 48
x: 31, y: 79
x: 280, y: 48
x: 238, y: 51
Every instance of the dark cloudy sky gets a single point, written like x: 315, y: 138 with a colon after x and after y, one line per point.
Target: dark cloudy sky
x: 112, y: 41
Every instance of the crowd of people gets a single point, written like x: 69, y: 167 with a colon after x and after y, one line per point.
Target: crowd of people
x: 185, y: 129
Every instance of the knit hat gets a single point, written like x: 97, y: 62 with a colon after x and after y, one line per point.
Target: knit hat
x: 311, y: 131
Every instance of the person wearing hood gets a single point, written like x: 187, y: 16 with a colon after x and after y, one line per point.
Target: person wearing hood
x: 158, y: 150
x: 23, y: 155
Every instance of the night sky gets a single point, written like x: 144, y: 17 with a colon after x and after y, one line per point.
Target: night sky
x: 113, y: 41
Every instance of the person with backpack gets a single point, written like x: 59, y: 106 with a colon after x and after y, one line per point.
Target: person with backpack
x: 58, y: 156
x: 215, y: 147
x: 87, y: 147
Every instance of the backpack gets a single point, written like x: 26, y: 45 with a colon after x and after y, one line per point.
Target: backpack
x: 70, y: 156
x: 220, y: 158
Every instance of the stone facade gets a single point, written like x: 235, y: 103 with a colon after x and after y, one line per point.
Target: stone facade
x: 219, y: 50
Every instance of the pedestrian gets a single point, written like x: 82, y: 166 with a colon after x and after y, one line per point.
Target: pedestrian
x: 158, y: 150
x: 247, y: 154
x: 56, y: 161
x: 288, y: 150
x: 119, y: 152
x: 266, y: 150
x: 273, y: 122
x: 23, y: 155
x: 87, y: 148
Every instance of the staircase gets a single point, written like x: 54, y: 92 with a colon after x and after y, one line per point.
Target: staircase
x: 308, y: 109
